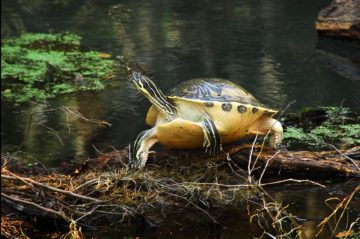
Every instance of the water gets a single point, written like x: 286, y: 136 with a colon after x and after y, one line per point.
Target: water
x: 268, y: 47
x: 234, y: 224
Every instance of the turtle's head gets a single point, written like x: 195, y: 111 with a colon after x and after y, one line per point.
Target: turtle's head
x: 146, y: 86
x: 156, y: 97
x: 142, y: 83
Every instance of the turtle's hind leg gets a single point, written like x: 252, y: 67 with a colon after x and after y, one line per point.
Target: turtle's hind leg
x: 272, y: 127
x: 212, y: 140
x: 276, y: 134
x: 139, y: 149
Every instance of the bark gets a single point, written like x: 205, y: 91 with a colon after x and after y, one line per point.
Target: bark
x: 309, y: 164
x: 340, y: 19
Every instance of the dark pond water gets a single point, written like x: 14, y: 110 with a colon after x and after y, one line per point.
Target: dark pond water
x: 269, y: 47
x: 304, y: 202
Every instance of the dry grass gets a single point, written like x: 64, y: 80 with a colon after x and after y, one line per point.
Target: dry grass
x: 339, y: 214
x: 13, y: 228
x: 104, y: 189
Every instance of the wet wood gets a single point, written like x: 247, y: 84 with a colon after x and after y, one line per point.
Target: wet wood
x: 309, y: 164
x: 324, y: 164
x: 340, y: 19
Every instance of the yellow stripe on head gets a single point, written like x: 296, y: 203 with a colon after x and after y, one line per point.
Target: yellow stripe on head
x: 154, y: 95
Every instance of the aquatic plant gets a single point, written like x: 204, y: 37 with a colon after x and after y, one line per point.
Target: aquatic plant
x: 322, y: 127
x: 37, y: 66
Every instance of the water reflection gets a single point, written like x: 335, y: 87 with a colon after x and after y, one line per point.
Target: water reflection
x: 269, y: 47
x: 270, y: 82
x: 305, y: 202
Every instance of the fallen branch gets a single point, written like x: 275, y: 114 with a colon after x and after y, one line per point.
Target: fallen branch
x: 46, y: 210
x: 304, y: 163
x: 29, y: 180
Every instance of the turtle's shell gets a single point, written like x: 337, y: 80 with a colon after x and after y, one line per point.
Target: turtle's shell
x: 213, y: 89
x: 234, y: 111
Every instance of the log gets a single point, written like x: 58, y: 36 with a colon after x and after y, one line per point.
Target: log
x: 340, y: 19
x: 304, y: 163
x: 308, y: 164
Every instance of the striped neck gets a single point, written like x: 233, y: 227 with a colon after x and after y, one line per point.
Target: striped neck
x: 154, y: 95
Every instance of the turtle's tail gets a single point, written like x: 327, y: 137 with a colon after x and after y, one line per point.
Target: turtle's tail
x: 154, y: 95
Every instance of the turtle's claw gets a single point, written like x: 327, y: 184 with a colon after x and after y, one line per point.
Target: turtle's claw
x: 137, y: 163
x: 136, y: 160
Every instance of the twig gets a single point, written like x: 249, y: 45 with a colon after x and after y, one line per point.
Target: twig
x: 194, y: 205
x: 44, y: 209
x: 67, y: 111
x: 79, y: 115
x: 16, y: 177
x: 343, y: 204
x: 220, y: 184
x: 282, y: 112
x: 347, y: 157
x: 229, y: 159
x: 250, y: 157
x: 90, y: 182
x: 52, y: 131
x: 126, y: 210
x: 293, y: 180
x: 266, y: 165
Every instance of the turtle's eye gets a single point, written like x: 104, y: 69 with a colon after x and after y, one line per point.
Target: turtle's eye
x: 136, y: 77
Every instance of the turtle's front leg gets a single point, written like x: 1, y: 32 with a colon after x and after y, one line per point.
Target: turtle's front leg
x: 212, y: 140
x: 139, y: 149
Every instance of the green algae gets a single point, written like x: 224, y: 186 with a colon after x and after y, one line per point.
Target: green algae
x: 37, y: 66
x: 321, y: 127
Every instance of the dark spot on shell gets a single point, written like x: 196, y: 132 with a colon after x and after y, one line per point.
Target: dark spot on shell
x: 209, y: 104
x: 226, y: 107
x: 241, y: 108
x: 254, y: 110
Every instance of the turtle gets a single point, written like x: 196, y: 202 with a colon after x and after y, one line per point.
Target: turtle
x: 200, y: 113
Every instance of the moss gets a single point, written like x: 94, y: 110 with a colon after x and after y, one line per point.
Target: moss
x: 30, y: 38
x: 338, y: 126
x: 40, y: 66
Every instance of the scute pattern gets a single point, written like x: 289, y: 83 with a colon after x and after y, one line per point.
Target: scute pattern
x: 213, y: 89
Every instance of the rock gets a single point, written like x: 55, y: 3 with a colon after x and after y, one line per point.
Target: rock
x: 340, y: 19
